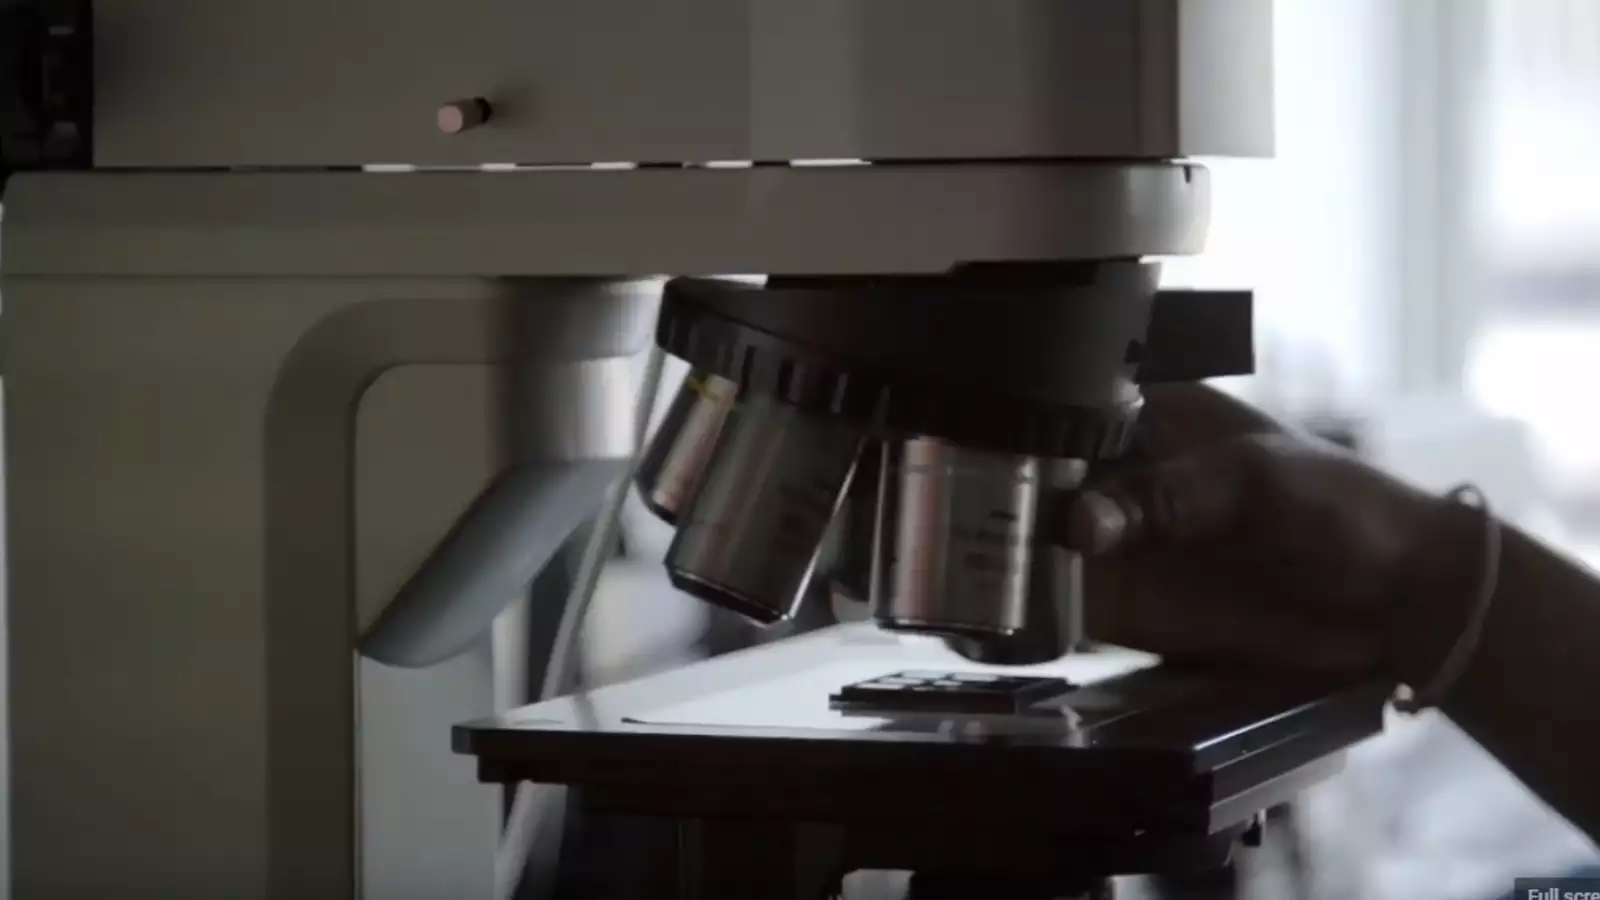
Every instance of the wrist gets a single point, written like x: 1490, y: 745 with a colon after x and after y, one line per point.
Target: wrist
x: 1434, y: 587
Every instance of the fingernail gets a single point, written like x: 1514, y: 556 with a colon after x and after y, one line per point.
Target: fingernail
x: 1097, y: 523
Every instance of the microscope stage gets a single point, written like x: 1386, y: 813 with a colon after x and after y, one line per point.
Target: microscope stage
x: 1132, y: 748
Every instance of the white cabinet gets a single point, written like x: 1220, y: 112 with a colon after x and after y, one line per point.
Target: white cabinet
x: 303, y: 83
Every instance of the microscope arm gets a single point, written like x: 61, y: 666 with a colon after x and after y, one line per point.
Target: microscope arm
x: 511, y: 531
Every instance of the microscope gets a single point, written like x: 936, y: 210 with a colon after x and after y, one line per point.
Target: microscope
x: 326, y: 331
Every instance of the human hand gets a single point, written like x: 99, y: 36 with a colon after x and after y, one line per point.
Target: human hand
x: 1234, y: 540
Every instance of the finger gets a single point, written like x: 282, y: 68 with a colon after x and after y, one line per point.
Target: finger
x: 1094, y: 524
x: 1184, y: 500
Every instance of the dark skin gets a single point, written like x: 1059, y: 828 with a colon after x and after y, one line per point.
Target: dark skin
x: 1232, y: 538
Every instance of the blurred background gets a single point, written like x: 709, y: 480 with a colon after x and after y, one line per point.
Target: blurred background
x: 1426, y: 254
x: 1425, y: 250
x: 1426, y: 245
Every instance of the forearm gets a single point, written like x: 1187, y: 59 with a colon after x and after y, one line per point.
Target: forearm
x: 1531, y: 695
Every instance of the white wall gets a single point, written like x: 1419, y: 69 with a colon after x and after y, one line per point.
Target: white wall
x: 1317, y: 231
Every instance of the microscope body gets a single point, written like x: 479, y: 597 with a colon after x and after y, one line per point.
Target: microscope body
x: 273, y: 326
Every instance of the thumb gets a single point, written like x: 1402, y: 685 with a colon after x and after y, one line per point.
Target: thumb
x: 1180, y: 500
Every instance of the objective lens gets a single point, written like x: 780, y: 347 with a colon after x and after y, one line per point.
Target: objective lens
x: 955, y: 538
x: 1054, y: 614
x: 674, y: 465
x: 751, y: 538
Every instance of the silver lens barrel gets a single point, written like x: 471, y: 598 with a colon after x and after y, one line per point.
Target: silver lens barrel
x: 1054, y: 614
x: 674, y: 464
x: 959, y: 548
x: 751, y: 538
x: 955, y: 538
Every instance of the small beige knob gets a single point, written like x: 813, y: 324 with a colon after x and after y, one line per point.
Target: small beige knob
x: 459, y: 115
